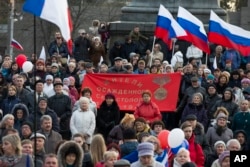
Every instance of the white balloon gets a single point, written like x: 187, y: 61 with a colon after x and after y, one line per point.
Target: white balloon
x: 27, y: 66
x: 176, y: 137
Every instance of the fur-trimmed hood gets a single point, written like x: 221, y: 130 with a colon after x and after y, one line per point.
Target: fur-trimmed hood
x: 63, y: 149
x: 23, y: 107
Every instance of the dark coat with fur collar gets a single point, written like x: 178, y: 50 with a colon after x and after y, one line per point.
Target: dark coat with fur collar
x: 63, y: 149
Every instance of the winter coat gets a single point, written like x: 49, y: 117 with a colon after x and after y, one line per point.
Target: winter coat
x: 150, y: 111
x: 61, y: 104
x: 61, y: 50
x: 233, y: 56
x: 52, y: 140
x: 230, y: 105
x: 177, y: 58
x: 210, y: 159
x: 213, y: 137
x: 116, y: 134
x: 200, y: 138
x: 18, y: 122
x: 63, y: 151
x: 245, y: 145
x: 115, y: 52
x: 198, y: 110
x: 83, y: 122
x: 81, y: 46
x: 96, y: 52
x: 128, y: 147
x: 128, y: 48
x: 196, y: 152
x: 24, y: 159
x: 210, y: 102
x: 107, y: 117
x: 9, y: 103
x: 188, y: 96
x: 241, y: 121
x: 39, y: 114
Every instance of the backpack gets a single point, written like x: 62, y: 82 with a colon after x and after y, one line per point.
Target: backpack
x: 178, y: 64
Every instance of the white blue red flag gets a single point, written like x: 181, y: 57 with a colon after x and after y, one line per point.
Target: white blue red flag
x: 167, y: 27
x: 194, y: 28
x: 228, y: 35
x: 16, y: 44
x: 54, y: 11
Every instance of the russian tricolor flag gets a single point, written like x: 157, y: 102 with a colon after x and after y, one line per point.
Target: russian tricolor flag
x: 55, y: 11
x: 228, y: 35
x: 194, y: 28
x: 16, y: 44
x: 166, y: 26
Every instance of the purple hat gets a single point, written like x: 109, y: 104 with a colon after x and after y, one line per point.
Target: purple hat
x: 110, y: 95
x: 223, y: 155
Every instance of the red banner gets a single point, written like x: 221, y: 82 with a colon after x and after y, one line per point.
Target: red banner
x: 128, y: 88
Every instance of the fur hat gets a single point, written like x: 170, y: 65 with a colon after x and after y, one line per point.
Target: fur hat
x: 145, y: 148
x: 221, y: 115
x: 70, y: 147
x: 127, y: 118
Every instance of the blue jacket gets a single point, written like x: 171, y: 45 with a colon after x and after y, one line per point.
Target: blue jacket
x: 233, y: 56
x: 9, y: 103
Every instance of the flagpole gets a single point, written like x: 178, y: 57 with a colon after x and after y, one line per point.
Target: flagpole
x: 34, y: 79
x: 12, y: 3
x: 173, y: 45
x: 206, y: 58
x: 151, y: 58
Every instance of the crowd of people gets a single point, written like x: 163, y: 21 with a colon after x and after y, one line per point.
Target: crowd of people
x: 49, y: 120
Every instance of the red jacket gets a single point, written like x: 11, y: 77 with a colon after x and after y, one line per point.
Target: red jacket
x: 150, y: 111
x: 196, y: 153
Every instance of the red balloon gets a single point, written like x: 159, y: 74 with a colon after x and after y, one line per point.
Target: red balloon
x: 20, y: 59
x: 163, y: 138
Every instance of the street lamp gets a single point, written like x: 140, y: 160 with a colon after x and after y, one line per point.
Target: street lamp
x: 12, y: 17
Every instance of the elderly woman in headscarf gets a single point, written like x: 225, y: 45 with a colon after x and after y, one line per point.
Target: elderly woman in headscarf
x: 116, y: 134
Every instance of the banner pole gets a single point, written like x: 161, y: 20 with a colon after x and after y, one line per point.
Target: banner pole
x: 151, y: 58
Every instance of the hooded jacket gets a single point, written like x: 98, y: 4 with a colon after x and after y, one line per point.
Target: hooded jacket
x: 230, y: 105
x: 62, y: 152
x: 18, y: 122
x: 245, y: 145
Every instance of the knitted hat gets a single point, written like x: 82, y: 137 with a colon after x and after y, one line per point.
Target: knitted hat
x: 223, y: 155
x: 145, y: 148
x: 245, y: 80
x: 210, y: 77
x: 221, y: 115
x: 219, y: 142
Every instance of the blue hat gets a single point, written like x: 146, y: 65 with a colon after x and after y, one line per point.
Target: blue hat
x: 210, y: 77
